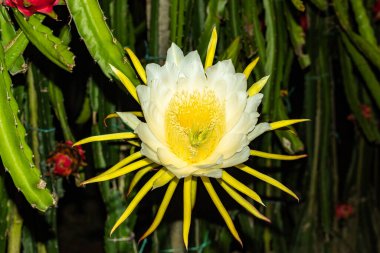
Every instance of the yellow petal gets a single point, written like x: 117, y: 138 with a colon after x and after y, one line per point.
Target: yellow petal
x: 137, y: 64
x: 137, y: 114
x: 284, y: 123
x: 221, y: 209
x: 267, y: 179
x: 106, y: 137
x: 125, y: 170
x: 110, y: 116
x: 125, y: 161
x: 247, y: 71
x: 240, y: 187
x: 136, y: 200
x: 258, y: 86
x: 276, y: 156
x: 134, y: 143
x: 186, y: 209
x: 163, y: 180
x: 242, y: 201
x: 126, y: 82
x: 161, y: 210
x: 139, y: 174
x: 193, y: 191
x: 211, y: 48
x: 115, y: 115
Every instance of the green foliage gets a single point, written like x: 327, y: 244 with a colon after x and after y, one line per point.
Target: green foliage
x: 103, y: 46
x: 15, y: 153
x: 42, y: 37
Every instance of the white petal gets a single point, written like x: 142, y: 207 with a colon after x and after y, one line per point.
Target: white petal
x: 169, y: 75
x: 150, y: 153
x: 175, y: 55
x: 152, y: 72
x: 234, y: 109
x: 231, y: 143
x: 215, y: 173
x: 129, y: 119
x: 237, y: 158
x: 213, y: 160
x: 220, y: 69
x: 147, y: 137
x: 254, y: 102
x: 245, y: 124
x: 258, y: 130
x: 143, y: 92
x: 168, y: 158
x: 191, y: 66
x: 155, y: 118
x: 240, y: 82
x: 175, y: 165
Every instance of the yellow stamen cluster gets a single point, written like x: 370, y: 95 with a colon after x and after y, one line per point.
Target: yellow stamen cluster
x: 194, y: 123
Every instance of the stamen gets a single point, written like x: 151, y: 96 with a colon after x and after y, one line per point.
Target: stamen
x: 195, y: 123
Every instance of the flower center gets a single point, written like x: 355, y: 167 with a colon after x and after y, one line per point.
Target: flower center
x: 194, y: 123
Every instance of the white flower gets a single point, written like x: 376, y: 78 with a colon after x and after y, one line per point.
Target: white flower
x: 198, y: 122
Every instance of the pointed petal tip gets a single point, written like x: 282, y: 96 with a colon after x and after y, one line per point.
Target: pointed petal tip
x: 85, y: 183
x: 113, y: 229
x: 186, y: 245
x: 142, y: 238
x: 214, y: 32
x: 240, y: 242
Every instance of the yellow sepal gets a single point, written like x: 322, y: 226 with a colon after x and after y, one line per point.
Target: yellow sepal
x: 136, y: 200
x: 115, y: 115
x: 276, y: 156
x: 125, y: 161
x: 258, y: 86
x: 125, y: 170
x: 193, y: 191
x: 139, y: 174
x: 222, y: 210
x: 163, y: 180
x: 186, y: 209
x: 243, y: 202
x: 247, y: 71
x: 161, y: 210
x: 126, y: 82
x: 211, y: 48
x: 284, y: 123
x: 227, y: 178
x: 137, y: 64
x: 106, y: 137
x: 267, y: 179
x: 110, y: 116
